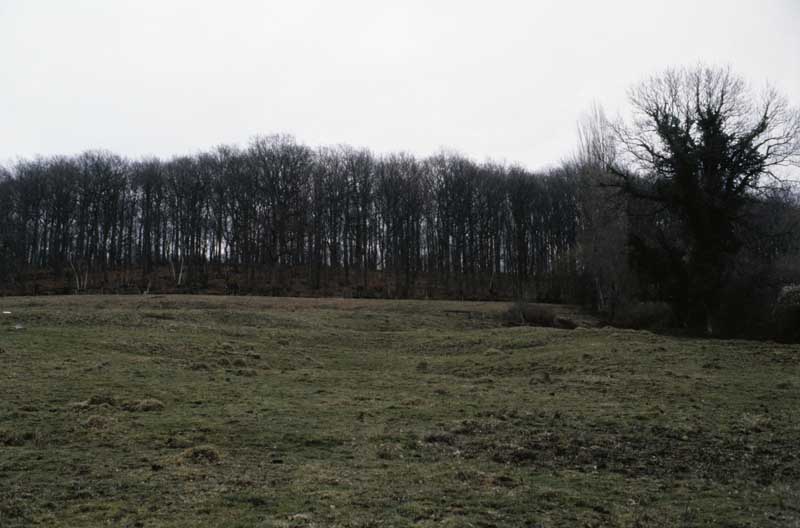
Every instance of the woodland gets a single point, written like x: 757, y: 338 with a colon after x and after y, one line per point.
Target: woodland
x: 678, y: 216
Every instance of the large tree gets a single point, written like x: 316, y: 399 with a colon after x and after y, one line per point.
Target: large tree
x: 701, y: 149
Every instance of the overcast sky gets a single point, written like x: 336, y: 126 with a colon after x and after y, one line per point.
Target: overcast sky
x: 501, y: 80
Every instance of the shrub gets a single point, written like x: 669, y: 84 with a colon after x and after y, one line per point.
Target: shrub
x: 644, y: 316
x: 531, y: 314
x: 789, y: 295
x: 786, y: 323
x: 762, y: 303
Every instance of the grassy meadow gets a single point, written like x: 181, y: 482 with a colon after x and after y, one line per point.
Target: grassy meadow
x: 142, y: 411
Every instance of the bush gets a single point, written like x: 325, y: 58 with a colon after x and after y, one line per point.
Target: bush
x: 762, y: 303
x: 524, y: 313
x: 644, y: 316
x: 786, y: 324
x: 785, y: 315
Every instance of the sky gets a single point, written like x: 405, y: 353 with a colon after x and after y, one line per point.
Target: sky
x: 496, y: 80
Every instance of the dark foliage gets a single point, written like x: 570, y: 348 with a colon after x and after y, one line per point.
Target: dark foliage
x: 702, y: 153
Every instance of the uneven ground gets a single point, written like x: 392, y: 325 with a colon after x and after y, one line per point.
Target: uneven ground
x: 220, y: 411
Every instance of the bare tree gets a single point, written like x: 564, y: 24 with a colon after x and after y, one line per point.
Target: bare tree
x: 603, y: 222
x: 597, y: 145
x: 440, y: 226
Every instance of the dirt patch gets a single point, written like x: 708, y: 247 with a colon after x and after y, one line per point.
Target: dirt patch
x: 634, y: 451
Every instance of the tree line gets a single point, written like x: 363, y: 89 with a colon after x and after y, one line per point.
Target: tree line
x: 677, y: 216
x: 279, y: 206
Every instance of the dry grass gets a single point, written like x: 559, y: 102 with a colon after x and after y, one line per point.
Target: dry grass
x: 146, y: 405
x: 98, y: 422
x: 207, y: 454
x: 363, y: 413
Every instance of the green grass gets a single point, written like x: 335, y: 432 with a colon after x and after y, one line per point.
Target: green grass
x: 215, y: 411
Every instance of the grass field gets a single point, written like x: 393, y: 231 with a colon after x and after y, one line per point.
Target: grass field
x: 242, y: 411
